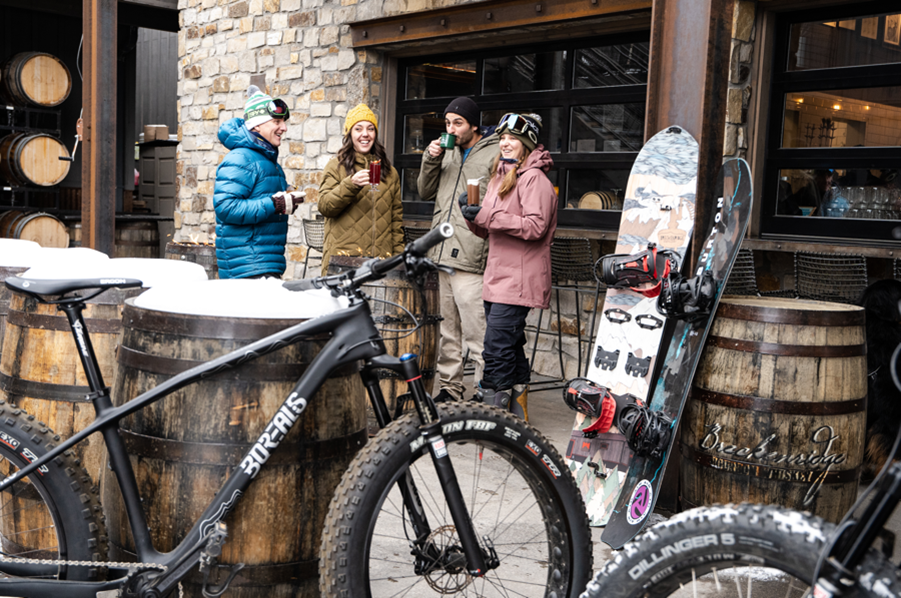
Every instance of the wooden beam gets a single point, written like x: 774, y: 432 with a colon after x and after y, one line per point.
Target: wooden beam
x: 688, y: 79
x: 483, y: 17
x: 98, y: 166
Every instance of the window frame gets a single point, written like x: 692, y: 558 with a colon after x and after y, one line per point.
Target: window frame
x: 783, y: 82
x: 565, y: 99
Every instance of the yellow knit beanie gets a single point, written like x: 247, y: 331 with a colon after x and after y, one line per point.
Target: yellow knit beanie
x: 358, y: 113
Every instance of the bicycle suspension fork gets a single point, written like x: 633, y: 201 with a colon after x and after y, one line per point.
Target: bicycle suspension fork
x: 408, y: 366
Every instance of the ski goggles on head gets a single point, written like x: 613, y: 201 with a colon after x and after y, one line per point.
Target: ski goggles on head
x: 277, y: 108
x: 518, y: 124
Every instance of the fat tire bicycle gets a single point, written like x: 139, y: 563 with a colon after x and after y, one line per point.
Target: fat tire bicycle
x: 452, y: 499
x: 744, y: 550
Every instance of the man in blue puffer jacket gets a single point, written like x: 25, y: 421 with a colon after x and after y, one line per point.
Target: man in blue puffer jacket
x: 252, y: 198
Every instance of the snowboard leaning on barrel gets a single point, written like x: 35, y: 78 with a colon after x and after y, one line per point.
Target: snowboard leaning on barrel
x: 658, y: 209
x: 636, y: 501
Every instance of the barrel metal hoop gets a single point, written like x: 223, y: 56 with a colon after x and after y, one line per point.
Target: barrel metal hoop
x: 17, y: 387
x: 168, y: 366
x: 209, y: 327
x: 789, y: 350
x: 784, y: 407
x: 61, y: 324
x: 733, y: 311
x: 427, y: 373
x: 759, y: 470
x: 228, y: 455
x: 281, y: 573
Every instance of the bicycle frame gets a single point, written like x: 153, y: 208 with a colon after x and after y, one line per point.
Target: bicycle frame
x: 354, y: 338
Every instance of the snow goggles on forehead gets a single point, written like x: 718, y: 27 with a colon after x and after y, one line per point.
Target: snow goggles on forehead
x: 277, y: 108
x: 518, y: 124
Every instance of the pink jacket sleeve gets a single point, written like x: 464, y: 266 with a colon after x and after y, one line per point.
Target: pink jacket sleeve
x: 539, y: 202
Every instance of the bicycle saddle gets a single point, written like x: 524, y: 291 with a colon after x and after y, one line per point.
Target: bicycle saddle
x: 37, y: 287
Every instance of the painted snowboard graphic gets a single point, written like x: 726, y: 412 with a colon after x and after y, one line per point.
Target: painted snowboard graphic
x: 658, y: 208
x: 671, y: 389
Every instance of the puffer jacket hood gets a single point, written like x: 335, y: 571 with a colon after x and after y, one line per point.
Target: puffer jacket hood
x: 520, y: 229
x: 250, y: 235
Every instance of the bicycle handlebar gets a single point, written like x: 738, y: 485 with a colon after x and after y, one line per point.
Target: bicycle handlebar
x: 376, y: 268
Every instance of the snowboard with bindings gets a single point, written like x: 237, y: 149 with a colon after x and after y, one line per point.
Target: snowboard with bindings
x: 657, y: 218
x: 691, y: 303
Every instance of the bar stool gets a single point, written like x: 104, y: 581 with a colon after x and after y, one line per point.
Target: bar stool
x: 572, y: 262
x: 839, y: 278
x: 743, y: 278
x: 313, y: 237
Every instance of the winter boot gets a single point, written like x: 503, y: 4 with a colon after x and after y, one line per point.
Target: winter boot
x: 498, y: 398
x: 519, y: 404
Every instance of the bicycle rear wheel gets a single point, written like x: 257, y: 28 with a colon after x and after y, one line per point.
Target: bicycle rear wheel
x: 745, y: 550
x: 520, y: 495
x: 53, y: 513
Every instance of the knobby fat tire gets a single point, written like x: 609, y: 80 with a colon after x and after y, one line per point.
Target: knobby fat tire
x: 64, y: 487
x: 695, y: 542
x: 360, y: 498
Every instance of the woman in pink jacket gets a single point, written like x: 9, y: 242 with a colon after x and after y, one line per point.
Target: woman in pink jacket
x: 518, y: 217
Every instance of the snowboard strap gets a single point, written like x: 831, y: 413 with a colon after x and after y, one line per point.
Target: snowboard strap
x: 687, y: 299
x: 627, y: 271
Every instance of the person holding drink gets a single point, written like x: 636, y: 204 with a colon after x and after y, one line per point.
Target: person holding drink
x: 359, y: 195
x: 463, y: 153
x: 518, y: 216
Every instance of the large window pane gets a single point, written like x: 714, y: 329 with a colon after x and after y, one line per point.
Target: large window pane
x: 861, y: 193
x: 552, y: 128
x: 443, y: 79
x: 420, y: 130
x: 596, y: 189
x: 846, y: 118
x: 873, y: 39
x: 524, y: 72
x: 609, y: 66
x: 409, y: 177
x: 607, y: 128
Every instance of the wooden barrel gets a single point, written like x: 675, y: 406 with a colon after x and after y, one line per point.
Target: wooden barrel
x: 5, y: 296
x: 137, y: 238
x: 74, y: 229
x: 778, y: 409
x: 205, y: 255
x: 395, y: 323
x: 40, y: 370
x: 44, y: 229
x: 33, y: 159
x: 183, y: 447
x: 35, y: 79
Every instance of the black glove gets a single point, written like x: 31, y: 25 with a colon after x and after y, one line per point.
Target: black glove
x: 470, y: 212
x: 463, y: 199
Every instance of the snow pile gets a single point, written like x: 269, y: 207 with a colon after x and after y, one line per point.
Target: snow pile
x: 151, y: 272
x: 18, y: 253
x: 240, y: 298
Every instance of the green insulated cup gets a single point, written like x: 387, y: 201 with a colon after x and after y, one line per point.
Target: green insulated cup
x: 447, y: 140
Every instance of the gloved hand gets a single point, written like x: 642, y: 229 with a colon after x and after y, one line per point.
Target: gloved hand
x: 287, y: 201
x: 470, y: 212
x: 463, y: 199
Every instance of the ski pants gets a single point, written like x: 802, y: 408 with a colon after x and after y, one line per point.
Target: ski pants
x: 505, y: 357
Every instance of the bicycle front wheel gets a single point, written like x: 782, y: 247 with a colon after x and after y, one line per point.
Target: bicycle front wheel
x: 522, y: 500
x: 50, y: 515
x: 744, y: 550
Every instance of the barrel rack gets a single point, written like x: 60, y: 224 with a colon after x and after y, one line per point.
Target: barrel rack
x: 16, y: 119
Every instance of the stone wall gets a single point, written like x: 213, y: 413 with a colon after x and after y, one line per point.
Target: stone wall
x: 740, y: 88
x: 299, y: 50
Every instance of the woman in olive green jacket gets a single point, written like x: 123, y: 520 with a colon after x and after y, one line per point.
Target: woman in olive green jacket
x: 360, y: 219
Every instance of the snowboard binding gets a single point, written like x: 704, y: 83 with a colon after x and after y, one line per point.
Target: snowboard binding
x: 626, y: 271
x: 687, y: 299
x: 647, y: 432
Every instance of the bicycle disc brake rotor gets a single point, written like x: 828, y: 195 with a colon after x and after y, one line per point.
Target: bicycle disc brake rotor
x: 448, y: 575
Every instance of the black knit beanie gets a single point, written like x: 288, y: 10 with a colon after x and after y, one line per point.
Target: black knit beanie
x: 466, y: 108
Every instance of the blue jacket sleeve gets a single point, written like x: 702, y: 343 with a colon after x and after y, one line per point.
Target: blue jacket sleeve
x: 232, y: 198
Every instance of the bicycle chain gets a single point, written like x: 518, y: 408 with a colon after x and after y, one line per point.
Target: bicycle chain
x: 117, y: 564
